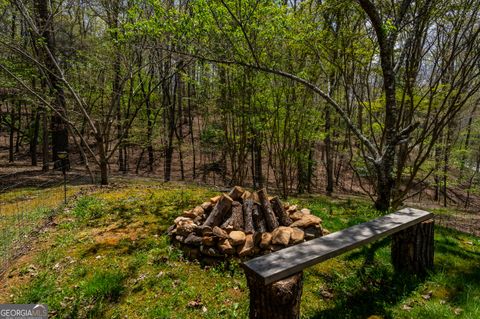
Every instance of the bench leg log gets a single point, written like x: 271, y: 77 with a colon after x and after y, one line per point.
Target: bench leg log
x: 412, y: 249
x: 278, y: 300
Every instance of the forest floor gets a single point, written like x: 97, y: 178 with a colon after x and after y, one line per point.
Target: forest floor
x: 22, y: 175
x: 106, y: 255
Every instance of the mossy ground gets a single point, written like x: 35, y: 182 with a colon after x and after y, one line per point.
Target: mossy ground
x: 108, y: 257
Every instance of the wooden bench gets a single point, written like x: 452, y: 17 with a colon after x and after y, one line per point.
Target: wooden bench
x: 275, y: 280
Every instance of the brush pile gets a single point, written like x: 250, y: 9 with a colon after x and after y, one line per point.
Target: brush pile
x: 242, y: 223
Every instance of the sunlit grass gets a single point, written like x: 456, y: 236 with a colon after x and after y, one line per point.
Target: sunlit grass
x: 110, y: 258
x: 22, y: 210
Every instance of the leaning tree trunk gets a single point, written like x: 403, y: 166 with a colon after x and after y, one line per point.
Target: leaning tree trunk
x: 279, y: 300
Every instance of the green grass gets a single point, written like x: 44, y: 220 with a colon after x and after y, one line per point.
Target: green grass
x: 23, y: 211
x: 109, y: 258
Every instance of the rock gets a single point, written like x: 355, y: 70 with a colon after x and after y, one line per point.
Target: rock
x: 207, y: 206
x: 180, y: 239
x: 189, y: 214
x: 198, y: 211
x: 292, y: 208
x: 236, y: 237
x: 185, y: 226
x: 206, y: 231
x: 209, y: 251
x: 225, y: 247
x: 296, y: 216
x: 257, y: 238
x: 246, y: 195
x: 266, y: 240
x: 215, y: 199
x: 209, y: 241
x: 191, y: 252
x: 297, y: 236
x: 312, y: 232
x: 236, y: 193
x: 171, y: 230
x: 217, y: 231
x: 281, y: 235
x: 198, y: 220
x: 247, y: 248
x: 193, y: 239
x: 305, y: 211
x: 275, y: 247
x: 306, y: 221
x: 255, y: 197
x: 181, y: 219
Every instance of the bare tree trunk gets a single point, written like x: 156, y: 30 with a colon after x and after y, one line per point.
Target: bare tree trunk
x: 384, y: 165
x: 151, y: 158
x: 169, y: 104
x: 446, y: 162
x: 113, y: 13
x: 190, y: 125
x: 45, y: 167
x: 44, y: 20
x: 437, y: 172
x: 19, y: 127
x: 467, y: 141
x: 102, y: 158
x: 179, y: 130
x: 328, y: 152
x: 34, y: 139
x: 11, y: 147
x: 257, y: 162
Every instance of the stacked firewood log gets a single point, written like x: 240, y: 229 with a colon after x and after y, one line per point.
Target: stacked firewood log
x: 243, y: 223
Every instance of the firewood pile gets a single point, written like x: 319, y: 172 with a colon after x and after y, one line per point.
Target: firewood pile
x: 243, y: 223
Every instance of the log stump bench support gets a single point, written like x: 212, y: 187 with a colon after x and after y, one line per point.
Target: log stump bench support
x: 275, y: 280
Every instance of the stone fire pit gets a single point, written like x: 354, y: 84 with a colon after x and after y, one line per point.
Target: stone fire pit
x: 241, y: 224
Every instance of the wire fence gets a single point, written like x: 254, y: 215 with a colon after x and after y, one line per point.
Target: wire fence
x: 27, y: 206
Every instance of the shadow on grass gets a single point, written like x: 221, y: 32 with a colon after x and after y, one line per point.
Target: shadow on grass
x: 374, y: 289
x: 371, y: 289
x: 373, y: 295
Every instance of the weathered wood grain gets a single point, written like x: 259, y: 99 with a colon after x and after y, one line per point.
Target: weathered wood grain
x: 291, y: 260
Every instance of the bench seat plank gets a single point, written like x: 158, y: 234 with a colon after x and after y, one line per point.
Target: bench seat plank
x: 288, y: 261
